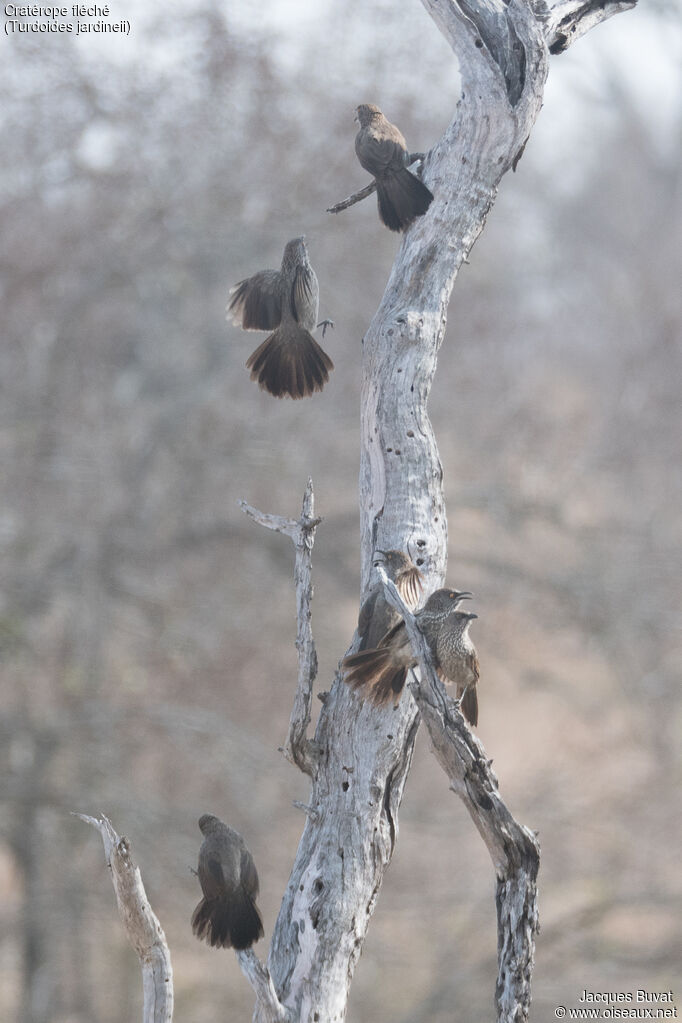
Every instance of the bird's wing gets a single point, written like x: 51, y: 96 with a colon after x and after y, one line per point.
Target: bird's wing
x: 378, y: 153
x: 303, y: 293
x: 388, y: 638
x: 366, y: 612
x: 211, y: 874
x: 248, y: 875
x: 256, y: 302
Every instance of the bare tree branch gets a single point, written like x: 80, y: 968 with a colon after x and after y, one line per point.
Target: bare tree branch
x: 568, y: 20
x: 365, y: 752
x: 367, y: 190
x: 260, y: 980
x: 352, y: 199
x: 299, y: 749
x: 141, y: 924
x: 309, y: 810
x: 147, y: 938
x: 513, y: 849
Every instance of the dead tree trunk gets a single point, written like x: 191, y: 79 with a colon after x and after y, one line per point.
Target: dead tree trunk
x: 364, y: 754
x: 360, y: 756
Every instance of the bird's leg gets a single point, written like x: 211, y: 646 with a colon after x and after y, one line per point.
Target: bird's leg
x: 458, y: 701
x: 324, y: 324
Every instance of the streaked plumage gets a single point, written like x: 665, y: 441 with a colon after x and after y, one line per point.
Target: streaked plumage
x: 380, y: 673
x: 377, y: 616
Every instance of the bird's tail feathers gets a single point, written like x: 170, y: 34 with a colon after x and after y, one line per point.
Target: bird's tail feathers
x: 401, y: 197
x: 374, y: 672
x: 290, y: 362
x: 469, y: 705
x: 232, y: 922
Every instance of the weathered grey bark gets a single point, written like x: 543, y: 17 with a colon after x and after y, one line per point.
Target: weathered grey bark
x: 365, y: 753
x: 141, y: 924
x: 361, y: 755
x: 260, y: 980
x: 570, y: 19
x: 513, y: 849
x: 298, y: 748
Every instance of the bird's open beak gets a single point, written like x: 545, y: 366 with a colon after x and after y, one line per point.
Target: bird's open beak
x: 379, y: 558
x: 465, y: 595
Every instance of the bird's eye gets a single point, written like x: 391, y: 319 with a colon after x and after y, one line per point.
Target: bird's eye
x: 452, y: 596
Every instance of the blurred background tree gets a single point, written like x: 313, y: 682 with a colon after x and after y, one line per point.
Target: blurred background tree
x: 143, y: 176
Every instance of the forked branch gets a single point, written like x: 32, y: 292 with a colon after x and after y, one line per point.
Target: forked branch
x: 298, y: 748
x: 260, y: 980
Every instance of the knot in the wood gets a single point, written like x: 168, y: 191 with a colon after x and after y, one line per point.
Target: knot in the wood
x: 123, y: 850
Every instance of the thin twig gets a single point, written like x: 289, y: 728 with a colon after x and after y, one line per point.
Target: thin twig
x: 308, y: 810
x: 352, y: 199
x: 368, y: 189
x: 141, y: 923
x: 298, y: 748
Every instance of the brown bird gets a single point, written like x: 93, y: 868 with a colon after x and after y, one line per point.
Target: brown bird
x: 377, y: 616
x: 227, y: 916
x: 381, y: 672
x: 286, y: 301
x: 382, y: 150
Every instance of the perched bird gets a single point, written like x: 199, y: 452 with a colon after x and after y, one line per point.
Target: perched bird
x: 381, y: 672
x: 377, y: 616
x: 286, y: 301
x: 227, y: 916
x: 381, y: 149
